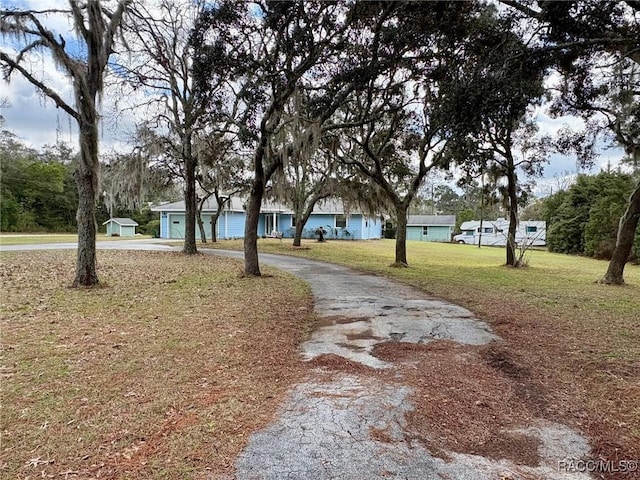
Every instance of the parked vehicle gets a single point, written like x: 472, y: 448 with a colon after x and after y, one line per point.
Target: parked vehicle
x: 494, y: 233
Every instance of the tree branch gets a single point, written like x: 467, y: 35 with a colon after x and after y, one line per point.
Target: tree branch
x: 40, y: 85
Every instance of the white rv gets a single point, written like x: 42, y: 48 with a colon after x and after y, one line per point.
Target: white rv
x: 494, y: 232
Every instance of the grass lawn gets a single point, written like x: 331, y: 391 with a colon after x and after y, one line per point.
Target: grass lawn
x: 161, y: 372
x: 578, y: 340
x: 164, y: 370
x: 39, y: 238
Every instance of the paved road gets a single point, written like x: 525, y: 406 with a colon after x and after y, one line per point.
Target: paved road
x: 325, y: 427
x: 156, y: 244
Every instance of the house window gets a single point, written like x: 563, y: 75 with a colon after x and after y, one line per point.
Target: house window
x: 531, y: 229
x: 425, y: 230
x: 341, y: 221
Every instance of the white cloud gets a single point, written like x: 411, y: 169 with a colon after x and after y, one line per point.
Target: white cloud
x: 36, y: 120
x: 32, y: 116
x: 551, y: 126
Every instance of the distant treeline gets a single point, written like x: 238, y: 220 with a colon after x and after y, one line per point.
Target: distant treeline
x: 38, y: 192
x: 583, y: 219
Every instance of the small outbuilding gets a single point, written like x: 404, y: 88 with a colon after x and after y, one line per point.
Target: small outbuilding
x: 431, y: 228
x: 121, y: 227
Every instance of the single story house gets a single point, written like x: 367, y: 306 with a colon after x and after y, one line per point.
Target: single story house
x: 121, y: 227
x: 431, y: 228
x: 275, y: 220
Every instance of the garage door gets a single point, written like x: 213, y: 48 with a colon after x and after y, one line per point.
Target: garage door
x: 176, y: 226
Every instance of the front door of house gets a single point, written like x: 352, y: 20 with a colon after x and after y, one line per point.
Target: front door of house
x: 271, y: 223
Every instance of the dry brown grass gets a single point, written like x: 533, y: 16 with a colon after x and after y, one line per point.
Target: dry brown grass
x: 462, y: 403
x: 162, y: 372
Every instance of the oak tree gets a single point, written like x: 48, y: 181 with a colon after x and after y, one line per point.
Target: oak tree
x: 84, y: 58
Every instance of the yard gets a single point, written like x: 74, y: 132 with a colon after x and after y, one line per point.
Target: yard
x: 578, y: 341
x: 162, y: 372
x: 165, y: 370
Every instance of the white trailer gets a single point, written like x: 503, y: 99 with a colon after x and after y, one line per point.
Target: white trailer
x: 494, y: 233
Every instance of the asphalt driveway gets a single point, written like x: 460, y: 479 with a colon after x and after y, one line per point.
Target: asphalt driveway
x: 326, y: 428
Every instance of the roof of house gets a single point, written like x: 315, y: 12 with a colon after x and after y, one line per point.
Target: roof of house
x: 123, y: 222
x: 210, y: 205
x: 431, y: 220
x: 237, y: 204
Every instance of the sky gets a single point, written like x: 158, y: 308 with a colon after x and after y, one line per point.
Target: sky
x: 35, y: 119
x: 37, y: 122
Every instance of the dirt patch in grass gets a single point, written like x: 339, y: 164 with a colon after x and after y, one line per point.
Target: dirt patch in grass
x: 462, y: 403
x: 572, y: 378
x: 332, y: 362
x: 330, y: 320
x: 163, y: 372
x: 403, y: 351
x: 478, y: 399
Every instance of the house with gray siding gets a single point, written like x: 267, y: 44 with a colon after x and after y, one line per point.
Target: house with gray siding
x: 431, y: 228
x: 275, y: 219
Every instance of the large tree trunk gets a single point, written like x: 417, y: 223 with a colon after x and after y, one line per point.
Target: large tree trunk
x: 251, y: 266
x: 401, y: 235
x: 624, y: 241
x: 301, y: 222
x: 190, y: 206
x: 203, y: 234
x: 512, y: 182
x: 87, y: 182
x: 297, y: 237
x: 214, y: 226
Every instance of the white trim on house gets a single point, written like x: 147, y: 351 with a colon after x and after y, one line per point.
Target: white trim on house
x: 335, y: 220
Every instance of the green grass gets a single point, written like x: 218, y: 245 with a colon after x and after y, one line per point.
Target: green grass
x: 42, y: 238
x: 553, y: 286
x: 440, y: 267
x: 580, y: 338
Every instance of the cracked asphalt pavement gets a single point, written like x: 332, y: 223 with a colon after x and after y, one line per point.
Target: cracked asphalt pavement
x: 350, y: 426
